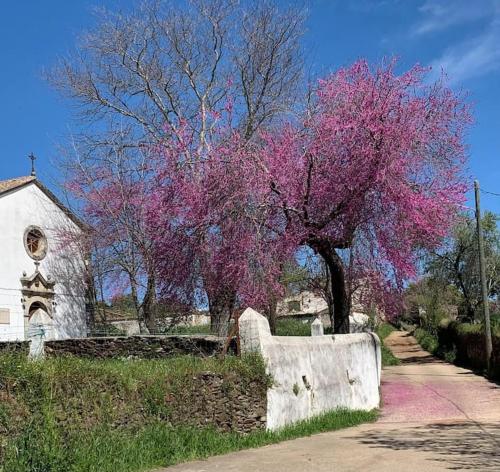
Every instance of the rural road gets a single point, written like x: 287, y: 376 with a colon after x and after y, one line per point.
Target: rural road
x: 435, y: 417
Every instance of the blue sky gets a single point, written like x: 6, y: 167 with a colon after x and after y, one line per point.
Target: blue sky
x: 460, y: 36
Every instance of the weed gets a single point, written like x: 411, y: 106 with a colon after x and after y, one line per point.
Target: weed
x: 388, y: 358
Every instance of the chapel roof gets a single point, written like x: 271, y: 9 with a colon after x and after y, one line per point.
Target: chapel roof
x: 9, y: 185
x: 12, y: 184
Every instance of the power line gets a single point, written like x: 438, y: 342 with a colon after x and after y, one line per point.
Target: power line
x: 66, y: 294
x: 490, y: 193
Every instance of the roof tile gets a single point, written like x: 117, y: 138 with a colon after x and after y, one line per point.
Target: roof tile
x: 11, y: 184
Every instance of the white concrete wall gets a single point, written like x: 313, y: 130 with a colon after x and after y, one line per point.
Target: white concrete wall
x: 20, y: 209
x: 313, y: 375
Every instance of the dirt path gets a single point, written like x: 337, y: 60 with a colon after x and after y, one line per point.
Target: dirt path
x: 435, y: 417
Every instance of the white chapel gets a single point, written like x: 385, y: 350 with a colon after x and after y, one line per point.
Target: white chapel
x: 42, y: 271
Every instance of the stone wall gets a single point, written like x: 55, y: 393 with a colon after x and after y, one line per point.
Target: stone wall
x: 225, y: 402
x: 313, y: 375
x: 9, y: 347
x: 145, y: 347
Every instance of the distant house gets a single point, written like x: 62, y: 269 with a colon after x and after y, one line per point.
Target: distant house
x: 306, y: 306
x: 42, y: 282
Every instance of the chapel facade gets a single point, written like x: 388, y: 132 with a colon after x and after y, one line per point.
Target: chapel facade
x: 42, y: 269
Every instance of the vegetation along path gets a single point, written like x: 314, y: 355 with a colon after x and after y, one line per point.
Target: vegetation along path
x: 435, y: 417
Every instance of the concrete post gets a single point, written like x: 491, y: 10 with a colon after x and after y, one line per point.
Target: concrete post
x: 254, y: 329
x: 317, y: 328
x: 37, y: 342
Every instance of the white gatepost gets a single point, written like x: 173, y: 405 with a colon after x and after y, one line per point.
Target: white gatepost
x: 317, y: 328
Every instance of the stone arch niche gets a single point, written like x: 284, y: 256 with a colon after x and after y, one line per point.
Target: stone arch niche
x: 38, y: 303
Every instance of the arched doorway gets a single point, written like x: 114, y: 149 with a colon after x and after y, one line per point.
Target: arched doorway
x: 39, y: 321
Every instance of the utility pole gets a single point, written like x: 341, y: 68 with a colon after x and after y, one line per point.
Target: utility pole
x: 482, y: 271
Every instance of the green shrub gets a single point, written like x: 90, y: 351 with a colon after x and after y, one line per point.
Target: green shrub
x: 450, y: 355
x: 428, y: 341
x: 463, y: 344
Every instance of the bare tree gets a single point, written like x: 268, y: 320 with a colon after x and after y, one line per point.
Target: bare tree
x: 112, y: 194
x: 163, y: 71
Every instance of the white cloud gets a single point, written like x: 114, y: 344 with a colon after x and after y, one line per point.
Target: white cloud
x: 439, y: 15
x: 474, y: 57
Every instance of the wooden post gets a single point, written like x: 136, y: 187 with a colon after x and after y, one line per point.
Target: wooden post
x: 482, y: 271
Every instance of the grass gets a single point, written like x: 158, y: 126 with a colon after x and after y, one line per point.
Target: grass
x: 292, y: 327
x: 201, y: 329
x: 76, y: 415
x: 108, y: 450
x: 284, y: 327
x: 388, y: 358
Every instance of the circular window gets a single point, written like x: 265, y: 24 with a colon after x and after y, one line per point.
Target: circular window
x: 35, y: 243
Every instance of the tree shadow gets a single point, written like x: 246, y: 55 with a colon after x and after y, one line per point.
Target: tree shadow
x: 420, y: 360
x: 461, y: 446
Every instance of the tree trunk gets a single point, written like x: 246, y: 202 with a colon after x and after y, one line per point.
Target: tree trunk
x: 148, y: 304
x: 221, y: 308
x: 138, y: 308
x: 329, y: 297
x: 341, y: 304
x: 271, y: 315
x: 91, y: 305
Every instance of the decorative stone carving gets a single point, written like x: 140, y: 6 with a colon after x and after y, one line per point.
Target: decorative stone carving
x: 38, y: 302
x: 37, y: 292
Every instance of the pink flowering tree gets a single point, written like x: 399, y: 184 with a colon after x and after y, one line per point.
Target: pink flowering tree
x: 213, y: 232
x: 375, y: 167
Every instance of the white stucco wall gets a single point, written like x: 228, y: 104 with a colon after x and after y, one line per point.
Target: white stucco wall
x: 313, y: 375
x: 20, y: 209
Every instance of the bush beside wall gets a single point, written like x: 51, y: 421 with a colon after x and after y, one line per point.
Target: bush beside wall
x: 467, y: 342
x: 462, y: 344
